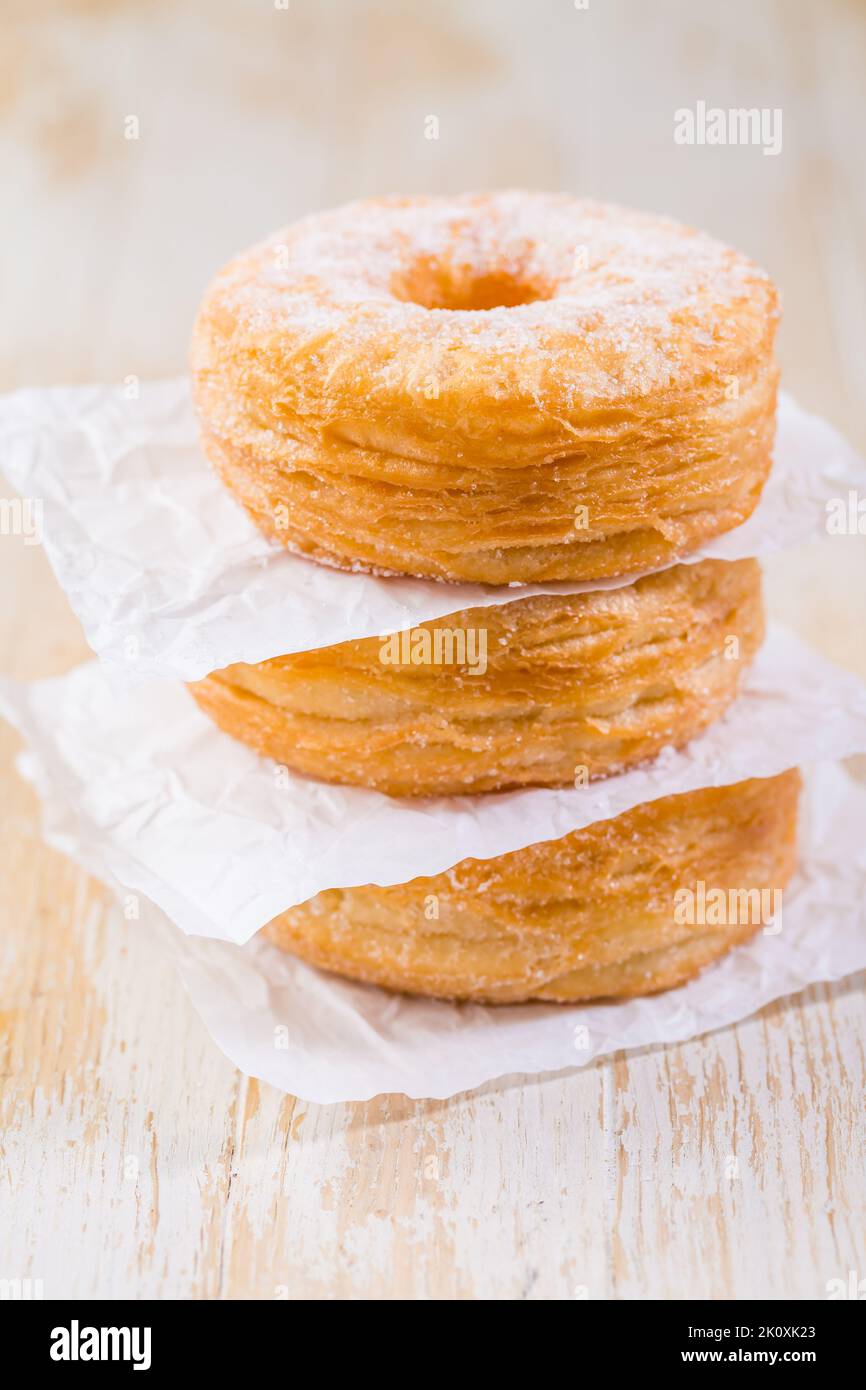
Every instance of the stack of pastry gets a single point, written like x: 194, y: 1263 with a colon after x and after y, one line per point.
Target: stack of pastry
x: 508, y: 389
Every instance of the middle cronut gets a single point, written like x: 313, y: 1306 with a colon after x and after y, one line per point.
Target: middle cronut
x: 551, y: 689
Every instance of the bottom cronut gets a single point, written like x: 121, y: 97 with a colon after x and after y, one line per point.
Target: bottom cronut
x: 590, y: 916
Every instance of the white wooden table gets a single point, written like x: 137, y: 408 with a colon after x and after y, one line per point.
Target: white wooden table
x: 134, y: 1160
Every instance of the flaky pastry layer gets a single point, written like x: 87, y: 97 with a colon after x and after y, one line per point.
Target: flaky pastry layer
x: 500, y: 388
x: 595, y: 914
x: 573, y: 687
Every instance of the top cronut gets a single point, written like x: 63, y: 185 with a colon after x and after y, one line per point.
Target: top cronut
x: 504, y: 388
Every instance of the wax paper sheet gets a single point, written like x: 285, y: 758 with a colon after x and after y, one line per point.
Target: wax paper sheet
x: 223, y: 840
x: 326, y: 1039
x: 170, y: 578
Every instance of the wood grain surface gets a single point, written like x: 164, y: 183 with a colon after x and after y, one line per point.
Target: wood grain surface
x: 135, y: 1161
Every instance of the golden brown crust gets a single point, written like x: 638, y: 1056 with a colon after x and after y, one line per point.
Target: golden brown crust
x: 589, y: 916
x: 576, y: 686
x: 363, y: 397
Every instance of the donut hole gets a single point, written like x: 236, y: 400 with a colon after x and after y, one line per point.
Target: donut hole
x: 434, y: 283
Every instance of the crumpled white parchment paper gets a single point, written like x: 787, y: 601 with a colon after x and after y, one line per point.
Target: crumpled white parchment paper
x: 328, y: 1040
x: 170, y: 578
x: 223, y: 840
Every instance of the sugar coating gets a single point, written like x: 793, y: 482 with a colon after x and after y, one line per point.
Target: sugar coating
x: 628, y: 286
